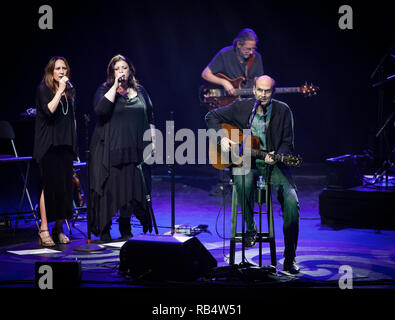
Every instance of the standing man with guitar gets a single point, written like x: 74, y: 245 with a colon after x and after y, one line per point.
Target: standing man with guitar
x: 272, y: 123
x: 239, y: 60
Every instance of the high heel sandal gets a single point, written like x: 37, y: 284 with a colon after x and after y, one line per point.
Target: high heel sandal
x: 60, y: 237
x: 46, y: 241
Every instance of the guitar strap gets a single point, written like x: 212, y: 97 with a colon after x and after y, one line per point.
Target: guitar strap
x: 250, y: 62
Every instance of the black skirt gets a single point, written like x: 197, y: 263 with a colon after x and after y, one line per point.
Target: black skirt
x: 123, y: 186
x: 56, y: 168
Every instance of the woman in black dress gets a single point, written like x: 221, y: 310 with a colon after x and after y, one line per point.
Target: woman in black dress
x: 124, y: 114
x: 55, y: 148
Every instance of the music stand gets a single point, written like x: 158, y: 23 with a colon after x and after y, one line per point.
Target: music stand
x: 379, y: 85
x: 387, y: 164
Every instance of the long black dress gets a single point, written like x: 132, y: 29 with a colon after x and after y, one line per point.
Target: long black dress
x: 55, y: 147
x: 116, y: 149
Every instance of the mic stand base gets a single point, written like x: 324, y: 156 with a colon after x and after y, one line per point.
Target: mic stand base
x: 89, y: 247
x: 245, y: 271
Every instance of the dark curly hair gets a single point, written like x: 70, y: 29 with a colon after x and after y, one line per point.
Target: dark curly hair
x: 132, y: 82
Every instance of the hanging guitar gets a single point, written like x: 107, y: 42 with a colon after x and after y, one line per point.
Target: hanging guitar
x: 78, y: 196
x: 222, y: 160
x: 214, y: 97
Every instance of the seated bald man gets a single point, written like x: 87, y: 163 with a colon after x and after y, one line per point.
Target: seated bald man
x: 273, y: 124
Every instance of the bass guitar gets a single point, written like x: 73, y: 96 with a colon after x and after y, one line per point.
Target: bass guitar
x: 214, y: 97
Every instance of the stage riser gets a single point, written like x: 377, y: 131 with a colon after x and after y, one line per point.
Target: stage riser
x: 357, y: 208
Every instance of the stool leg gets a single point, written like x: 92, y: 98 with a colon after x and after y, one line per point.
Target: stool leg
x: 233, y: 228
x: 270, y: 222
x: 260, y: 232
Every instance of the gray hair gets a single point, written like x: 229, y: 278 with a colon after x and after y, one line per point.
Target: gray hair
x: 245, y: 35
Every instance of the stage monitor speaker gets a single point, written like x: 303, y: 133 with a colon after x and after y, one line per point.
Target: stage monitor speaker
x: 162, y: 257
x: 343, y: 172
x: 57, y: 274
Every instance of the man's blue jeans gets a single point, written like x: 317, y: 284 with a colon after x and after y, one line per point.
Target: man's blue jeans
x: 286, y: 195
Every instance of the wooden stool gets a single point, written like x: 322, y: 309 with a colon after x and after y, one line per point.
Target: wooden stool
x: 262, y: 195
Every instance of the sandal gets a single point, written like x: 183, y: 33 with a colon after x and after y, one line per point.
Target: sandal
x: 60, y: 237
x: 46, y: 241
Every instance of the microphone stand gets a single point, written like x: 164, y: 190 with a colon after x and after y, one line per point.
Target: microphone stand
x: 172, y: 185
x: 244, y: 263
x: 382, y: 60
x: 88, y: 246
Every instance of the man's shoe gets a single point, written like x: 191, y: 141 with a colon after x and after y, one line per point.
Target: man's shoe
x: 291, y: 267
x: 250, y: 239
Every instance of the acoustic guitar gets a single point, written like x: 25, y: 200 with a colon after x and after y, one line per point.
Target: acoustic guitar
x: 222, y: 160
x: 214, y: 97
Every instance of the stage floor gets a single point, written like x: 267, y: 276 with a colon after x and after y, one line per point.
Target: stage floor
x: 322, y: 251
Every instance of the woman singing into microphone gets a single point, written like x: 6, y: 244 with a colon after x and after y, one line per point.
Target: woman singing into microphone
x: 124, y: 113
x: 55, y: 148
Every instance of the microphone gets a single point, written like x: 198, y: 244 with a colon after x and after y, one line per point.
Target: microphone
x: 253, y: 111
x: 69, y: 84
x: 122, y: 79
x: 257, y: 102
x: 31, y: 111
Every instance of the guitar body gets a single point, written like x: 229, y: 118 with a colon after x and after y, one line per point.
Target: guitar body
x: 221, y: 160
x: 214, y: 102
x: 77, y: 196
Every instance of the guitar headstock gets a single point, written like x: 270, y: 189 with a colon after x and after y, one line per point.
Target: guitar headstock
x: 309, y: 90
x: 209, y: 97
x: 290, y: 160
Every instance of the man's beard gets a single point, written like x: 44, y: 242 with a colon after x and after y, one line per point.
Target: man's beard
x: 241, y: 55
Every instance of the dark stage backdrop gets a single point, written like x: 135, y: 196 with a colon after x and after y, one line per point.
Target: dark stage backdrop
x: 171, y: 42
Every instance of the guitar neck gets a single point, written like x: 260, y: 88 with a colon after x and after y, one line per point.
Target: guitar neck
x: 287, y: 90
x: 260, y: 154
x: 243, y: 92
x: 250, y: 92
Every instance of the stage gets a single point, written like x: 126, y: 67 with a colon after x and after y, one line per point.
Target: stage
x: 346, y: 247
x: 322, y: 250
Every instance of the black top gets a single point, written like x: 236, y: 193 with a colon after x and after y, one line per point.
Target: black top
x: 279, y: 135
x: 118, y: 137
x: 226, y: 62
x: 126, y: 132
x: 54, y: 129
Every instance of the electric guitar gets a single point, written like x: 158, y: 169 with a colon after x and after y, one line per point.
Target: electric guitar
x: 222, y: 160
x: 214, y: 97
